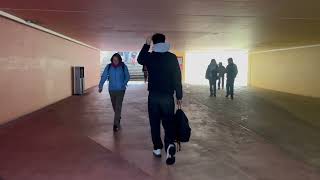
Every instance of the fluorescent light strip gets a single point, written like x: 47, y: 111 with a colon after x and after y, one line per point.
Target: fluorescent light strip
x: 17, y: 19
x: 285, y: 49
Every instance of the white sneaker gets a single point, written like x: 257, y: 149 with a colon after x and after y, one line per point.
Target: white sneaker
x: 157, y: 153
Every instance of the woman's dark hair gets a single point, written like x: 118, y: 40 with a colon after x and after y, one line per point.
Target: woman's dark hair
x: 158, y: 38
x: 116, y: 55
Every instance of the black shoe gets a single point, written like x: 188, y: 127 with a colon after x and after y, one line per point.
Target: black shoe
x: 211, y: 95
x: 115, y: 128
x: 215, y: 95
x: 227, y: 96
x: 171, y: 151
x: 232, y: 97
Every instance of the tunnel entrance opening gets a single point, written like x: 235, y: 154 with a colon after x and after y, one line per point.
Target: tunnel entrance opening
x: 197, y: 63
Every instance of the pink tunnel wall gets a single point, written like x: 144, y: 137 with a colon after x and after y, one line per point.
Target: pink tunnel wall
x: 35, y: 68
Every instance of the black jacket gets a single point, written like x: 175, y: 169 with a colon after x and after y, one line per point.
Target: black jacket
x: 221, y: 71
x: 232, y: 71
x: 212, y: 72
x: 163, y: 70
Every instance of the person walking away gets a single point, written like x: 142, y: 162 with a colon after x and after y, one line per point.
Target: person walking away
x: 118, y: 76
x: 232, y: 72
x: 212, y: 76
x: 164, y: 79
x: 221, y: 72
x: 145, y: 73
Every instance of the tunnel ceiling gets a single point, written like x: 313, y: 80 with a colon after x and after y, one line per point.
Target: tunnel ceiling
x: 189, y: 24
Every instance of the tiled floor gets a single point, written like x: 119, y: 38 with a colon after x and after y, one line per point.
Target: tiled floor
x: 252, y: 137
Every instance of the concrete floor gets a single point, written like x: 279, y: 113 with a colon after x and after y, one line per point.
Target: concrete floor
x: 259, y: 135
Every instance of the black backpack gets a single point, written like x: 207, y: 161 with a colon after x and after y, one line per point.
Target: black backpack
x: 182, y: 128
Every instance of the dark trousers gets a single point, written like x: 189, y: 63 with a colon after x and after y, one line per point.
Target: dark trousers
x: 161, y: 107
x: 145, y: 75
x: 230, y: 86
x: 221, y: 81
x: 117, y: 99
x: 213, y: 86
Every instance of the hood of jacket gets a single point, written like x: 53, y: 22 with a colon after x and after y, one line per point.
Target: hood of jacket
x: 161, y: 47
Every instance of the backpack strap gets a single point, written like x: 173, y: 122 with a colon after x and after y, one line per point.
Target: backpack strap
x: 108, y: 67
x: 122, y: 66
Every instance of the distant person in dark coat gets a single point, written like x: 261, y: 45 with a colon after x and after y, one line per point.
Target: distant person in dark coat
x: 221, y: 72
x: 212, y: 76
x: 232, y: 72
x: 145, y: 73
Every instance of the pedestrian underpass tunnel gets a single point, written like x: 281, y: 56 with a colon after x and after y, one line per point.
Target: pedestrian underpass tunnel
x: 49, y: 49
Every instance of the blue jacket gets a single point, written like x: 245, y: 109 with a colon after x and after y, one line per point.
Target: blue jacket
x: 118, y: 77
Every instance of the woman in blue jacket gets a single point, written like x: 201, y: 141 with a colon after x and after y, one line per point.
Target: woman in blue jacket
x: 118, y: 76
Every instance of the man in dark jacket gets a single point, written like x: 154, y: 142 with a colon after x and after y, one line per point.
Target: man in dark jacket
x: 232, y: 72
x: 164, y: 78
x: 212, y: 76
x: 221, y: 72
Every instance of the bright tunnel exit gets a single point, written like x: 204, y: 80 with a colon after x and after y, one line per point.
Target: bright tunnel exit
x: 197, y: 63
